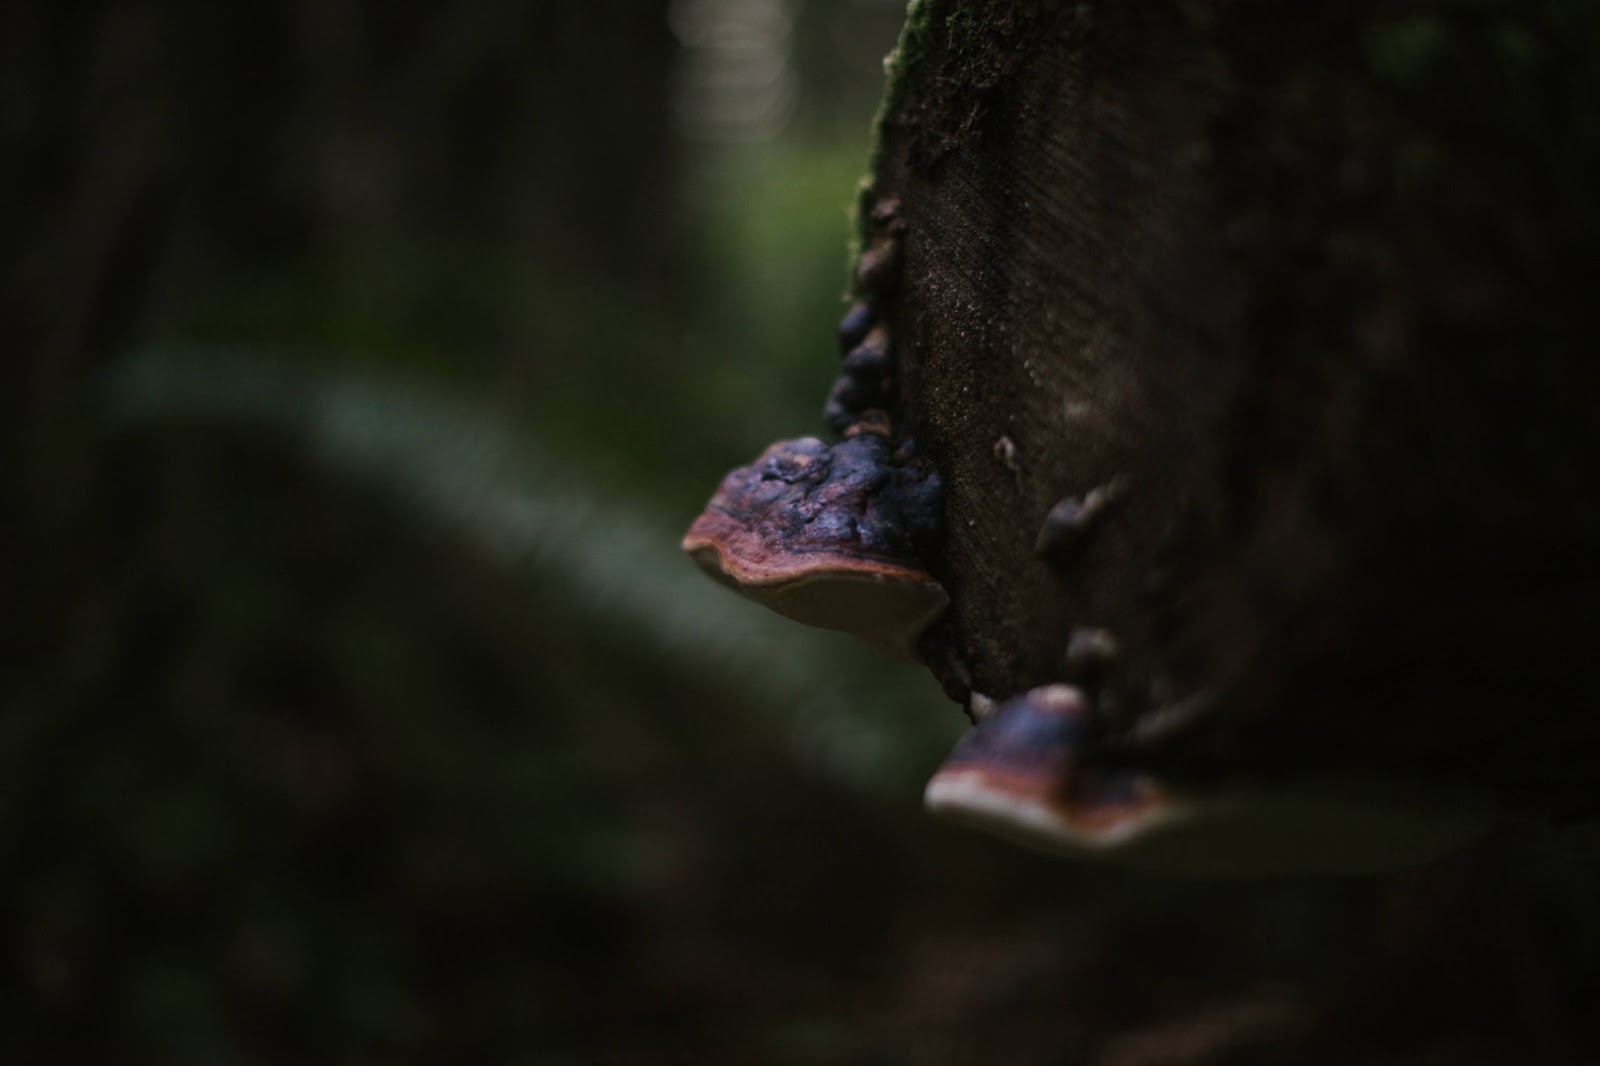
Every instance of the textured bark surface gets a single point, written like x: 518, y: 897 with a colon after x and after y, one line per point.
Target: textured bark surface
x: 1305, y: 283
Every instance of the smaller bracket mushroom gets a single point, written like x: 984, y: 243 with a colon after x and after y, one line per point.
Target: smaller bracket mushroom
x: 1025, y: 772
x: 1035, y: 772
x: 831, y: 536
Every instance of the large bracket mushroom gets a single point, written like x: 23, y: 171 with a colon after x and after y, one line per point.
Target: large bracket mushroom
x: 831, y: 536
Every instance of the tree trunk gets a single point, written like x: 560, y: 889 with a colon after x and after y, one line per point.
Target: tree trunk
x: 1301, y: 290
x: 1256, y: 344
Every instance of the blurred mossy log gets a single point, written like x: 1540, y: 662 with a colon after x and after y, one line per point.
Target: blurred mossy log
x: 1307, y: 287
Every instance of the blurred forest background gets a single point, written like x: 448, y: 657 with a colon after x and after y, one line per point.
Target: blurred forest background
x: 363, y: 365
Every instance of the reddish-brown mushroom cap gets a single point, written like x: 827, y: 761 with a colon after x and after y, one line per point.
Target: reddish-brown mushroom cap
x: 1024, y: 773
x: 828, y: 536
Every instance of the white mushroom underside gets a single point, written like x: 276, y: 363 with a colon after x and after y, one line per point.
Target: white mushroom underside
x: 970, y: 798
x: 886, y: 609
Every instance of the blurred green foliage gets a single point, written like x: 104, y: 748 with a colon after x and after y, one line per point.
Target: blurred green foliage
x: 358, y: 704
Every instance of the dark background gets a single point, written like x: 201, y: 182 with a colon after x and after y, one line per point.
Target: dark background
x: 363, y: 363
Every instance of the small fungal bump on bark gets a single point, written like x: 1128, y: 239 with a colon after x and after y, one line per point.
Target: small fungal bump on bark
x: 1005, y: 450
x: 849, y: 400
x: 1091, y: 654
x: 870, y: 359
x: 854, y: 325
x: 879, y: 267
x: 1071, y: 522
x: 885, y: 216
x: 981, y: 708
x: 870, y: 421
x: 865, y: 383
x: 831, y: 536
x: 854, y: 395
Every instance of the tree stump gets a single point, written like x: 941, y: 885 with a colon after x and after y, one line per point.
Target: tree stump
x: 1284, y: 310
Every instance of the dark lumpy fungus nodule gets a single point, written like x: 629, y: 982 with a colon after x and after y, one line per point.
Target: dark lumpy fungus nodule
x: 854, y: 325
x: 865, y: 382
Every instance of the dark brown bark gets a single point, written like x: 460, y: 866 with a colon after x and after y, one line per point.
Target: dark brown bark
x: 1307, y: 284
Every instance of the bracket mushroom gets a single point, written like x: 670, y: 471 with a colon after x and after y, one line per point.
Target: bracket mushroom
x: 831, y: 536
x: 1025, y: 772
x: 1036, y: 772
